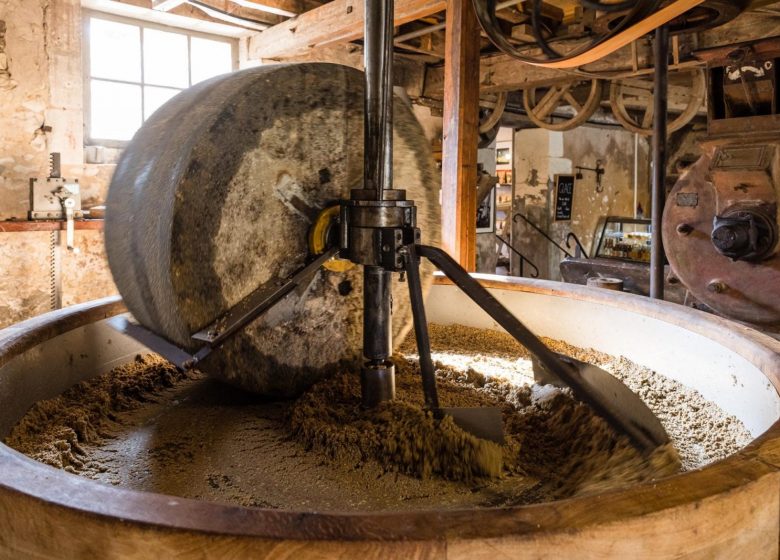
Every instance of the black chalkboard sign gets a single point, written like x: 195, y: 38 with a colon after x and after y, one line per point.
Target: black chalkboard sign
x: 564, y: 194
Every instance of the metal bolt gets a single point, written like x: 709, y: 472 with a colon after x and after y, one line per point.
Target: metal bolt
x: 717, y: 286
x: 345, y: 288
x: 684, y: 229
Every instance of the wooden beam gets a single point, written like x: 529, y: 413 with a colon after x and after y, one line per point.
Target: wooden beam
x: 180, y: 16
x: 166, y: 5
x: 334, y: 22
x: 286, y: 8
x: 226, y: 12
x: 503, y: 73
x: 461, y: 133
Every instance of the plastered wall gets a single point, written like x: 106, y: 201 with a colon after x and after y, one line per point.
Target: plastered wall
x: 541, y: 154
x: 41, y: 111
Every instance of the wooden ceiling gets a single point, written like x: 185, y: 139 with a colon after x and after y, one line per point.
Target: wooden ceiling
x: 284, y: 28
x: 247, y: 14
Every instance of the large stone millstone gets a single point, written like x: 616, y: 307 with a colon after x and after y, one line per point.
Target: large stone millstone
x: 214, y: 196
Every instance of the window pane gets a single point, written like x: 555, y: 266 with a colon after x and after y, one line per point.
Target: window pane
x: 115, y: 110
x: 115, y: 50
x: 155, y: 97
x: 210, y: 58
x: 165, y: 59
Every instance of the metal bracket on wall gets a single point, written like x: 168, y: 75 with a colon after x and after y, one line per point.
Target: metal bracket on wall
x: 598, y: 170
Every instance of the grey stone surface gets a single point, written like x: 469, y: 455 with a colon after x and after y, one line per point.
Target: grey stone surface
x: 215, y: 195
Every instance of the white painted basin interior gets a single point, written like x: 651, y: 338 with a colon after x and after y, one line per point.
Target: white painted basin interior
x: 709, y: 354
x: 698, y: 360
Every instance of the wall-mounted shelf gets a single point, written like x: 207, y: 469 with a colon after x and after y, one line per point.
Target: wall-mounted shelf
x: 10, y: 226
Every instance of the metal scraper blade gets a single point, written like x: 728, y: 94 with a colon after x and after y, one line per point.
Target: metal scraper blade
x: 612, y: 400
x: 484, y: 423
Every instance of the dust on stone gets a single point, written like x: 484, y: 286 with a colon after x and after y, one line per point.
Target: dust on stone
x: 194, y: 437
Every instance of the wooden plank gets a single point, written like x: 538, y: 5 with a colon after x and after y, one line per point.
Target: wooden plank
x: 461, y: 132
x: 504, y: 73
x: 334, y: 22
x: 285, y: 8
x: 47, y: 225
x: 224, y: 12
x: 277, y: 7
x: 179, y: 16
x: 166, y: 5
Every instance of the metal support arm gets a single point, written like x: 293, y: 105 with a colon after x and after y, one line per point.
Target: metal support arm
x: 604, y: 393
x: 234, y: 319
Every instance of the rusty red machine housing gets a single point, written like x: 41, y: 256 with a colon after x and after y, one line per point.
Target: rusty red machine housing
x: 720, y: 223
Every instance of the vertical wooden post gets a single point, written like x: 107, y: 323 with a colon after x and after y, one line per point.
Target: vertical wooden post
x: 461, y: 132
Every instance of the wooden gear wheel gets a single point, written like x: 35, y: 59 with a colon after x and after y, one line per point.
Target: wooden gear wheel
x: 490, y: 113
x: 215, y: 196
x: 576, y: 99
x: 632, y: 102
x: 492, y: 116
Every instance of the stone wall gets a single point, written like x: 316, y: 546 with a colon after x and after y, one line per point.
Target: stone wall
x: 541, y: 154
x: 41, y: 111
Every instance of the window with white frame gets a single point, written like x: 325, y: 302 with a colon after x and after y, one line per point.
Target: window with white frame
x: 134, y: 68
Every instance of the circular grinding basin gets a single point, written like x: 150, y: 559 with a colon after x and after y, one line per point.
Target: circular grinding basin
x: 215, y: 195
x: 729, y: 509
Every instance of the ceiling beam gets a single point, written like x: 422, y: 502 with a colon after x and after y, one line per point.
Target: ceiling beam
x: 503, y: 73
x: 166, y: 5
x: 215, y: 11
x: 336, y: 21
x: 267, y: 12
x: 285, y: 8
x: 184, y: 16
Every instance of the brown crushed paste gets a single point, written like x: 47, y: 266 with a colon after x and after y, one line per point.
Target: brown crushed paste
x: 201, y: 439
x: 54, y: 431
x: 549, y: 435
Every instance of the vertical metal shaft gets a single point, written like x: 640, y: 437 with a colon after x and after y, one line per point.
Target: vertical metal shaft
x: 377, y: 379
x: 658, y: 195
x: 378, y: 373
x: 378, y: 124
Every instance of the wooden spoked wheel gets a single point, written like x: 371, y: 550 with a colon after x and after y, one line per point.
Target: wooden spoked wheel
x: 563, y: 106
x: 491, y: 109
x: 632, y: 102
x: 491, y: 112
